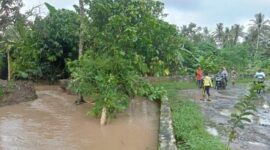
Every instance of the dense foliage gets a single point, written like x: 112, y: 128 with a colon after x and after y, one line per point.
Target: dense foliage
x: 122, y: 41
x: 120, y: 48
x: 56, y: 41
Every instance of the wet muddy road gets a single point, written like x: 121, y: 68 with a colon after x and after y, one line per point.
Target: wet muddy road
x: 53, y: 122
x: 255, y: 136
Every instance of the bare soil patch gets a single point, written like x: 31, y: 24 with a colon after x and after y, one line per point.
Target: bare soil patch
x: 15, y: 92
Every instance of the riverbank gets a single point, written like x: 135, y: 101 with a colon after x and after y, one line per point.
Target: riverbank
x: 14, y: 92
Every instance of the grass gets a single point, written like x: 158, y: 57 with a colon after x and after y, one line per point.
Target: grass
x: 245, y: 80
x: 176, y: 85
x: 188, y: 122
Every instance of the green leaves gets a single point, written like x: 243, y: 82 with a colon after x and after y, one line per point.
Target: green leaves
x: 51, y: 9
x: 56, y: 40
x: 107, y: 79
x: 135, y: 29
x: 244, y: 110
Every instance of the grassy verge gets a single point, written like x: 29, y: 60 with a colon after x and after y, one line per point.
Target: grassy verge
x: 188, y: 121
x: 245, y: 80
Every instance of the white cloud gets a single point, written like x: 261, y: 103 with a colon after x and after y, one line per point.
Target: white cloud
x: 202, y: 12
x: 67, y: 4
x: 180, y: 18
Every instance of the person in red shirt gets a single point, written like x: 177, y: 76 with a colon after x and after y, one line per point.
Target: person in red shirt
x: 199, y: 76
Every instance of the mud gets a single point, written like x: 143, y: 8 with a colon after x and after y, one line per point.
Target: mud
x: 54, y: 122
x: 255, y: 136
x: 16, y: 92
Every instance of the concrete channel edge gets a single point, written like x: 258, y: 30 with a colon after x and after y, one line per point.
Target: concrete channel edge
x: 166, y: 134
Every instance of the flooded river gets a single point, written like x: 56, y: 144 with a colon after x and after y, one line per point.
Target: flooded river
x: 53, y: 122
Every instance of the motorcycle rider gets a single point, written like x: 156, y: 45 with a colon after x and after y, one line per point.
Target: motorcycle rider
x: 220, y: 80
x: 259, y: 76
x: 259, y: 79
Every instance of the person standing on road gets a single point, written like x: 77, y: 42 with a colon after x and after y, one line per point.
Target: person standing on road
x: 199, y: 76
x: 225, y: 74
x: 207, y: 84
x: 233, y: 76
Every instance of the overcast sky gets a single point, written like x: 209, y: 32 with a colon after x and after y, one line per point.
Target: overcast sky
x: 202, y: 12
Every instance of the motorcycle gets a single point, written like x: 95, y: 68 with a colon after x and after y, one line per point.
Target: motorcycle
x: 220, y: 82
x: 259, y: 82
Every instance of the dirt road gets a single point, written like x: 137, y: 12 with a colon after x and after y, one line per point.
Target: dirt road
x: 255, y: 136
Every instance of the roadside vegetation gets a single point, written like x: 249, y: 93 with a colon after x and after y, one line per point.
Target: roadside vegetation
x: 188, y: 121
x: 105, y: 48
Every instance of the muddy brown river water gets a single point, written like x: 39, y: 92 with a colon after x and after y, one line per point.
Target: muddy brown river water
x: 53, y: 122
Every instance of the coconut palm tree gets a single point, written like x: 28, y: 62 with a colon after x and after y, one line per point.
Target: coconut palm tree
x: 259, y: 26
x: 227, y: 37
x: 237, y: 32
x: 219, y: 34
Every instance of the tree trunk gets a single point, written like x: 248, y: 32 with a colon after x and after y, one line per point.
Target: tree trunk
x: 9, y: 65
x: 236, y: 38
x: 80, y: 99
x: 257, y: 42
x: 81, y: 42
x: 103, y: 118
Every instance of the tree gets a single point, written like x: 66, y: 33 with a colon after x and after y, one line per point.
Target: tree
x: 81, y: 100
x: 229, y: 56
x: 8, y: 12
x: 227, y: 38
x: 10, y: 39
x: 126, y: 39
x: 82, y: 17
x: 219, y: 34
x: 259, y: 26
x: 24, y: 54
x: 56, y: 41
x: 237, y: 32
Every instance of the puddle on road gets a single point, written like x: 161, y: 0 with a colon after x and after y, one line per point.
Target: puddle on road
x: 257, y: 144
x: 225, y: 112
x: 54, y: 122
x: 264, y: 118
x: 212, y: 131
